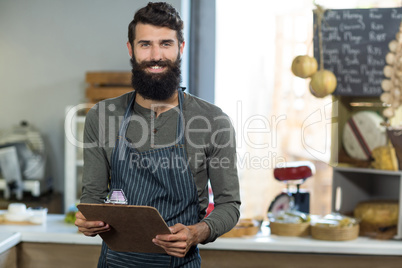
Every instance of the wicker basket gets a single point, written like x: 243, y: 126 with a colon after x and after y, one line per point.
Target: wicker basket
x: 245, y: 227
x: 242, y: 231
x: 290, y: 229
x: 335, y: 233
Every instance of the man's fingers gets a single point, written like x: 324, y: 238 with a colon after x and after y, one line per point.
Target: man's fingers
x: 79, y: 215
x: 93, y: 231
x: 90, y: 228
x: 89, y: 224
x: 178, y: 248
x: 177, y: 228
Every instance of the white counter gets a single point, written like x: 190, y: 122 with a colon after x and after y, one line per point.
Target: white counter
x: 8, y: 240
x: 54, y: 231
x: 274, y: 243
x: 57, y: 231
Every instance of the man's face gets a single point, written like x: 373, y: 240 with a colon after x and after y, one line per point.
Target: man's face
x: 156, y: 61
x: 153, y: 43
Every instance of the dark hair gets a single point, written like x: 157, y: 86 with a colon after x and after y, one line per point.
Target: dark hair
x: 157, y: 14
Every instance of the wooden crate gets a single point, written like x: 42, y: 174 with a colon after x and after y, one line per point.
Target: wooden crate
x: 342, y: 109
x: 105, y: 85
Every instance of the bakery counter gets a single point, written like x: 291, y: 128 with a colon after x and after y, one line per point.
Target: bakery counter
x: 56, y: 240
x: 265, y: 250
x: 57, y: 231
x: 8, y: 240
x: 362, y: 245
x: 8, y: 252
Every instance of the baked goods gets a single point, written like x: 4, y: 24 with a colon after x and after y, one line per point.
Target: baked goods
x: 336, y: 221
x: 289, y: 216
x: 385, y: 158
x: 378, y: 219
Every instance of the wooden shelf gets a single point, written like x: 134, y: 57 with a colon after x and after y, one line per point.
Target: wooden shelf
x: 362, y: 184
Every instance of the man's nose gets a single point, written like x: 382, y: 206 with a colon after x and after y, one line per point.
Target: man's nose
x: 156, y: 53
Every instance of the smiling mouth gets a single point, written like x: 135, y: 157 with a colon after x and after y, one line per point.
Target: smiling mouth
x: 156, y: 69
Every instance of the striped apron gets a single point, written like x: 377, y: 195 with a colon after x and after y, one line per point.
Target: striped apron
x: 160, y: 178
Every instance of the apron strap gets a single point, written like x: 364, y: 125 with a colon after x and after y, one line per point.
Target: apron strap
x: 127, y: 117
x: 180, y: 120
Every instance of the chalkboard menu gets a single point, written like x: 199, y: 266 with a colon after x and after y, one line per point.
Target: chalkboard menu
x: 355, y: 43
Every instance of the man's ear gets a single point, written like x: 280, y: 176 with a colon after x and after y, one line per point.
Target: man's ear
x: 182, y: 48
x: 130, y: 49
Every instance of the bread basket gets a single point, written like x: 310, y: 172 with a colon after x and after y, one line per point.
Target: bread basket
x: 245, y: 227
x: 290, y: 229
x: 335, y: 233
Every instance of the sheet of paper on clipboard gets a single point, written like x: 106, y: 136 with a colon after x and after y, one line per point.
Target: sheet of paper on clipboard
x: 132, y: 227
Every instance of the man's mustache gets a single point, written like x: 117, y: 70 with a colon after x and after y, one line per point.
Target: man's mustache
x: 161, y: 63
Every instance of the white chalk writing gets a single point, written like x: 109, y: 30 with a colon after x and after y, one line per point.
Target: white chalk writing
x: 349, y: 36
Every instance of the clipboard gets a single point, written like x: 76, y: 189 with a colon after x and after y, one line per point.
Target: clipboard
x: 132, y: 227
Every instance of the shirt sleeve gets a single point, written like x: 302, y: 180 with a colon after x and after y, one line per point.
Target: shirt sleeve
x: 96, y: 171
x: 222, y: 171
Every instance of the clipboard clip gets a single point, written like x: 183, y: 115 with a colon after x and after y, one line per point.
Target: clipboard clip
x: 116, y: 196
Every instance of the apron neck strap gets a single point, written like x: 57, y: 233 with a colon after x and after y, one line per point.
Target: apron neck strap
x: 127, y: 116
x: 180, y: 119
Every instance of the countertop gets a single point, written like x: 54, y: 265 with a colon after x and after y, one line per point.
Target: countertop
x: 55, y: 230
x: 8, y: 240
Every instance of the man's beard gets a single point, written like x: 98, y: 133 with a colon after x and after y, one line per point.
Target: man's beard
x: 156, y: 86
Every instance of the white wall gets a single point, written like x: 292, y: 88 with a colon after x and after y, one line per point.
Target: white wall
x: 46, y: 47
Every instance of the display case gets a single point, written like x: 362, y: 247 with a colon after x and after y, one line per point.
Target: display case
x: 362, y: 184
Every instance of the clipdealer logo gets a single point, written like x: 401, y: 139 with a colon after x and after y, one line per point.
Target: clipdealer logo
x: 254, y: 133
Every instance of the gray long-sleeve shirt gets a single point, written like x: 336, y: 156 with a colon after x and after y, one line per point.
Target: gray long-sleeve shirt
x: 210, y: 146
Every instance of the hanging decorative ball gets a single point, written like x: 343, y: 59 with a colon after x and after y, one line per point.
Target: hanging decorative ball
x: 304, y: 66
x: 392, y: 85
x: 388, y: 71
x: 386, y: 85
x: 388, y: 112
x: 386, y: 98
x: 393, y: 45
x: 390, y: 58
x: 323, y: 83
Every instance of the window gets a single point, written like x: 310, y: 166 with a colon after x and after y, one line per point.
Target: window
x: 275, y: 116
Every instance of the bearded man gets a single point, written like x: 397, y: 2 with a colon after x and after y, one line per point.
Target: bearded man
x: 161, y: 147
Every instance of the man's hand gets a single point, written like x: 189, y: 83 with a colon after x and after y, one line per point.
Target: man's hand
x: 90, y: 228
x: 182, y: 238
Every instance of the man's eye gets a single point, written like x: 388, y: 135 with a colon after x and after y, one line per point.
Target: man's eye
x: 144, y: 45
x: 166, y: 44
